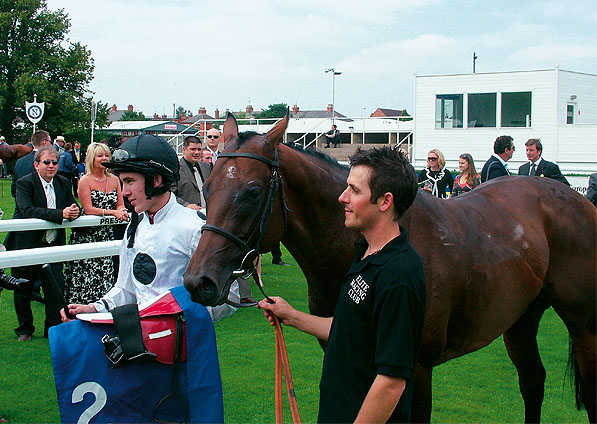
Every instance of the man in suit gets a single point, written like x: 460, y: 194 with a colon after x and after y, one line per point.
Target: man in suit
x: 193, y: 174
x: 24, y: 165
x: 537, y: 166
x: 212, y: 141
x: 496, y: 166
x: 592, y: 189
x: 45, y: 195
x: 78, y: 158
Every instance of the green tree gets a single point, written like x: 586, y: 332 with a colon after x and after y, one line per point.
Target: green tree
x: 36, y: 57
x: 131, y: 115
x: 180, y: 110
x: 277, y: 110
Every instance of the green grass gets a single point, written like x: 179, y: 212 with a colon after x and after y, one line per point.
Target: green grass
x: 480, y: 387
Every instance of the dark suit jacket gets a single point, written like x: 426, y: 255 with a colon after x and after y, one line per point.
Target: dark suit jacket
x: 187, y: 191
x: 23, y: 167
x: 493, y: 168
x: 545, y: 168
x: 592, y: 189
x: 31, y: 203
x: 81, y: 154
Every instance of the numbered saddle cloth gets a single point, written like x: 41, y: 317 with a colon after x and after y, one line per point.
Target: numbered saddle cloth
x: 90, y: 389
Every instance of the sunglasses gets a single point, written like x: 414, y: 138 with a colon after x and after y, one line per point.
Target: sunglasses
x: 120, y: 155
x: 430, y: 159
x: 48, y: 161
x: 213, y: 136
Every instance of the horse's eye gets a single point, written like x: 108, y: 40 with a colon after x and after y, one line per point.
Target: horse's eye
x: 254, y: 193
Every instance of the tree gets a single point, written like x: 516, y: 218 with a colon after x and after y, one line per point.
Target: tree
x: 132, y: 115
x: 277, y: 110
x: 180, y: 110
x: 36, y: 57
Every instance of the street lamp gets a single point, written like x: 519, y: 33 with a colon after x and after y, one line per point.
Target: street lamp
x: 334, y: 73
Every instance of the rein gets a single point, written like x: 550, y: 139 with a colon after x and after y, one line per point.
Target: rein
x: 250, y: 248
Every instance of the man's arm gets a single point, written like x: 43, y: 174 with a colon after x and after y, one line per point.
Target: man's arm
x: 381, y: 400
x: 553, y: 171
x: 310, y: 324
x: 25, y: 193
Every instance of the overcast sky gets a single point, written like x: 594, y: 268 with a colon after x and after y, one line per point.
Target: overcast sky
x: 228, y: 54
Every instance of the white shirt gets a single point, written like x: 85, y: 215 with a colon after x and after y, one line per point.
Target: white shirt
x: 158, y: 258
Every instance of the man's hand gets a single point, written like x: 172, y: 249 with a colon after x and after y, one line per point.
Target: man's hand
x: 74, y: 309
x: 194, y: 206
x: 280, y: 308
x: 71, y: 212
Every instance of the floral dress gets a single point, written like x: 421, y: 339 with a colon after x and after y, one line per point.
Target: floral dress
x: 87, y: 280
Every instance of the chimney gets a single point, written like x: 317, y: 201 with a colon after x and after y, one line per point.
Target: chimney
x: 217, y: 113
x: 202, y: 110
x: 249, y: 110
x: 114, y: 108
x: 165, y: 117
x: 295, y: 109
x: 130, y: 108
x: 330, y: 108
x: 156, y: 117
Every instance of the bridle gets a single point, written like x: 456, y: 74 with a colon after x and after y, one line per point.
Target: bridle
x: 252, y: 245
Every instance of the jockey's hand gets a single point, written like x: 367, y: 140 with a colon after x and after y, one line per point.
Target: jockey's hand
x: 280, y: 308
x: 74, y: 309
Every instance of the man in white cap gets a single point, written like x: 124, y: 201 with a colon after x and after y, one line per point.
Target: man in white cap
x: 59, y: 144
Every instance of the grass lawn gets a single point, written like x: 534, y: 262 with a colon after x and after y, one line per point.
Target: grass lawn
x: 481, y: 387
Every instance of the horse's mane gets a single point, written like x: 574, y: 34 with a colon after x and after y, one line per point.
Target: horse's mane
x: 245, y: 136
x: 317, y: 154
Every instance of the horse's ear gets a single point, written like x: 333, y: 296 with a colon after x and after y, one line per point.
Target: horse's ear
x: 230, y: 128
x: 276, y: 134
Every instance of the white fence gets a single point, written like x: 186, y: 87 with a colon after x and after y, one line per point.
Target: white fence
x: 45, y: 255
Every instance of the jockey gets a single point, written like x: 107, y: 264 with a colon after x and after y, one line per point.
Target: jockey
x: 162, y: 235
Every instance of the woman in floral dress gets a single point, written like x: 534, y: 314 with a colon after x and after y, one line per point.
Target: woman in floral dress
x: 87, y: 280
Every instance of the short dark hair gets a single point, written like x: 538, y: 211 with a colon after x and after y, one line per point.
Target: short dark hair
x: 45, y: 149
x: 502, y: 143
x: 191, y: 139
x: 536, y: 142
x: 38, y: 137
x: 390, y: 172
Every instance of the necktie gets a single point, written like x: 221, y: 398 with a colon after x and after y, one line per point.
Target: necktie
x: 78, y: 156
x: 214, y: 156
x: 533, y: 168
x: 199, y: 186
x: 506, y: 168
x: 51, y: 198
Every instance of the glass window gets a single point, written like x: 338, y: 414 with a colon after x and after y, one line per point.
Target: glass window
x: 482, y: 110
x: 448, y: 111
x: 570, y: 113
x: 516, y: 109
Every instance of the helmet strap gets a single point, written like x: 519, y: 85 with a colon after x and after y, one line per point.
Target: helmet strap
x: 151, y: 191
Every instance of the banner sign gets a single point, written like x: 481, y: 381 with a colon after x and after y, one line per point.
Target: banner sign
x: 90, y: 390
x: 34, y: 111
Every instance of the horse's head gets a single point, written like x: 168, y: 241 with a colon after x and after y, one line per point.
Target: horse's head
x: 244, y: 187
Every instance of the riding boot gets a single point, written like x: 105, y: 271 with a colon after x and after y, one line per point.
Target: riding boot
x: 11, y: 283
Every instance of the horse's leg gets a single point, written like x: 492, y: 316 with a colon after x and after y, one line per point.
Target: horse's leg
x: 521, y: 343
x: 421, y: 408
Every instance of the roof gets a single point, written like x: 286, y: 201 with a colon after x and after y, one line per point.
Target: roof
x: 145, y: 126
x: 195, y: 118
x: 115, y: 116
x: 316, y: 114
x: 388, y: 112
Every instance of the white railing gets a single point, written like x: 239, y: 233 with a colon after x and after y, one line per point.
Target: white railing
x: 43, y: 255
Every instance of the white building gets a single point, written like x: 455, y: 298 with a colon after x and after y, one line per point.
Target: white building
x: 466, y: 112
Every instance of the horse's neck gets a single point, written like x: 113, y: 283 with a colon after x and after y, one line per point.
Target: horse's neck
x: 316, y: 235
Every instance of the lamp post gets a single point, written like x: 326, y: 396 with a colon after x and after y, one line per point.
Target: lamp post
x: 363, y: 116
x: 334, y: 73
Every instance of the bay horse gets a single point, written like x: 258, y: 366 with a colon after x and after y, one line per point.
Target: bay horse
x: 495, y: 259
x: 10, y: 152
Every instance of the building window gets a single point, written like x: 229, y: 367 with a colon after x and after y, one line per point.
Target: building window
x: 482, y: 110
x: 516, y: 109
x: 570, y: 113
x: 448, y: 111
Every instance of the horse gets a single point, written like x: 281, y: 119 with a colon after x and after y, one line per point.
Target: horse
x: 495, y: 258
x: 13, y: 152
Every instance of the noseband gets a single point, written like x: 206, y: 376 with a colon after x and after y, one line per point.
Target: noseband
x: 251, y: 247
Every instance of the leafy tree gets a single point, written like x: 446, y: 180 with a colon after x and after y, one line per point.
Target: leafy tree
x: 36, y: 57
x: 277, y: 110
x: 182, y: 111
x: 131, y: 115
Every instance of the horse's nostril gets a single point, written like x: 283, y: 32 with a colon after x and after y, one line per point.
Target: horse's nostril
x: 204, y: 292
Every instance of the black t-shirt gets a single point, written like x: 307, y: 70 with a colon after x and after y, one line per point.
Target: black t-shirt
x: 377, y: 328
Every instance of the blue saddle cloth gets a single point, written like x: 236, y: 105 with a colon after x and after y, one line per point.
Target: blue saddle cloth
x: 90, y: 390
